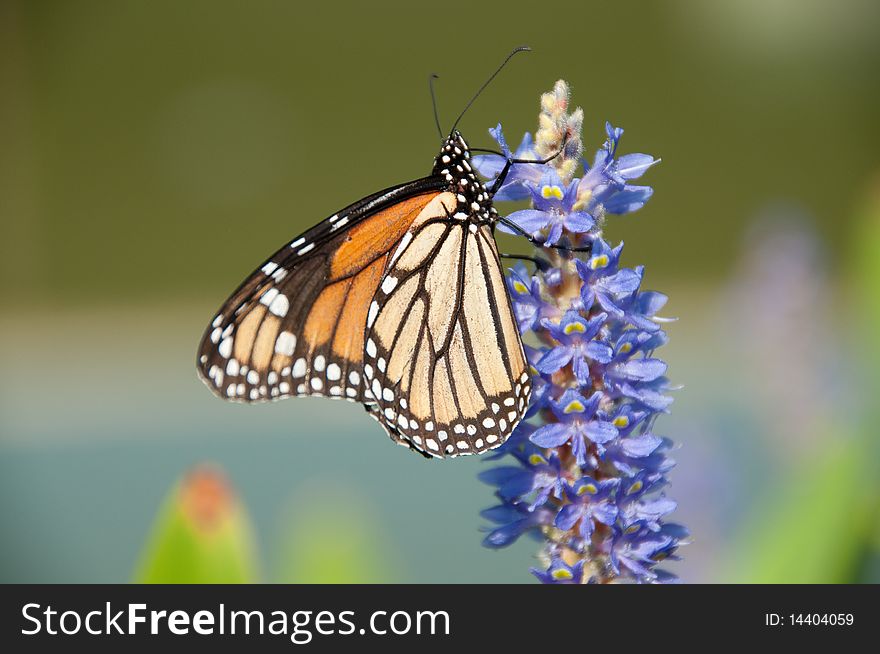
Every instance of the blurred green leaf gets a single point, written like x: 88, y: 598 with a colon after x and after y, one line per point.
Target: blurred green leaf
x: 201, y: 535
x: 866, y: 270
x: 337, y: 541
x: 815, y: 527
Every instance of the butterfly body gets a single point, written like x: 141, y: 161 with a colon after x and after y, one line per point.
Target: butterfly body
x: 398, y: 302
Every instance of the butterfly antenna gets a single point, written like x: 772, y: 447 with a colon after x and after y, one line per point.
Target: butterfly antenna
x: 522, y: 48
x: 431, y: 79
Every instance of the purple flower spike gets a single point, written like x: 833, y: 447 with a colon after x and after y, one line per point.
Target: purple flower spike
x: 586, y: 473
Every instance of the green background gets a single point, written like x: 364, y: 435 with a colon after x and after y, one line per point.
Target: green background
x: 152, y: 153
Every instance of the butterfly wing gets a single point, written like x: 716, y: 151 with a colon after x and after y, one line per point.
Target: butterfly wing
x: 444, y: 362
x: 295, y: 326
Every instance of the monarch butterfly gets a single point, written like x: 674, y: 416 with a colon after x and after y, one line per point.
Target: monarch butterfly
x: 398, y: 302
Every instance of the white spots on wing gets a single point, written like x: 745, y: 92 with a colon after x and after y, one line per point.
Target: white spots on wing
x: 203, y: 358
x: 400, y: 248
x: 218, y: 320
x: 401, y: 420
x: 225, y: 348
x: 380, y: 364
x: 316, y: 383
x: 269, y: 268
x: 308, y: 248
x: 374, y: 311
x: 279, y: 274
x: 279, y: 305
x: 491, y: 438
x: 495, y: 408
x: 232, y: 367
x: 371, y: 348
x: 377, y: 389
x: 351, y: 392
x: 272, y: 378
x: 431, y: 443
x: 335, y: 391
x: 368, y: 371
x: 508, y: 401
x: 478, y: 443
x: 319, y: 363
x: 458, y: 429
x: 388, y: 395
x: 285, y: 343
x: 268, y: 296
x: 354, y: 378
x: 442, y: 435
x: 488, y: 423
x: 253, y: 377
x: 511, y: 415
x: 333, y: 372
x: 462, y: 445
x: 299, y: 368
x: 284, y: 387
x: 389, y: 413
x: 298, y: 242
x: 389, y: 284
x: 215, y: 335
x: 471, y: 430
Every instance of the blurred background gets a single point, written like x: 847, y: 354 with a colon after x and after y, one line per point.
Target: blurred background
x: 152, y: 153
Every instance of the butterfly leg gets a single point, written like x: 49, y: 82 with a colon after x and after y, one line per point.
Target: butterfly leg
x: 541, y: 264
x: 534, y: 241
x: 510, y: 162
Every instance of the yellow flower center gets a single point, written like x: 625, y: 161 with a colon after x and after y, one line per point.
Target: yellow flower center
x: 599, y: 262
x: 548, y: 192
x: 574, y: 406
x: 588, y: 488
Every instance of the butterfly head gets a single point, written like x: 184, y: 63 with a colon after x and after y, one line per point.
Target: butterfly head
x: 454, y: 152
x: 453, y: 164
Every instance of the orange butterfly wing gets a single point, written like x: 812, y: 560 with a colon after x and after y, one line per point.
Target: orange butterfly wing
x: 296, y: 325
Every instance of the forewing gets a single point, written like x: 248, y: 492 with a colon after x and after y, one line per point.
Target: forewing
x: 295, y: 326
